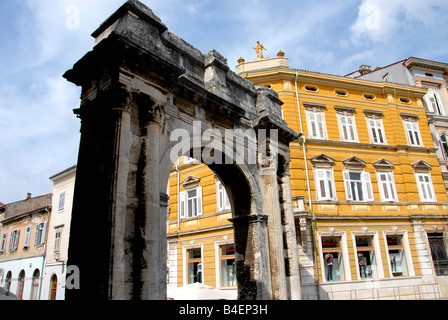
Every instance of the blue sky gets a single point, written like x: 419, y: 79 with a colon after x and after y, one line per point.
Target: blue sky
x: 41, y: 39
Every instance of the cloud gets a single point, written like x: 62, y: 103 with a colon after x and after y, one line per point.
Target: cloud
x: 383, y: 20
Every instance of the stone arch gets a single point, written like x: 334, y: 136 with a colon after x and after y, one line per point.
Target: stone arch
x: 139, y: 85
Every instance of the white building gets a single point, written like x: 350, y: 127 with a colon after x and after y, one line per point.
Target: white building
x: 53, y: 286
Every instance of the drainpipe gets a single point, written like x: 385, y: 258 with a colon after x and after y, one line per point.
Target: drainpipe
x: 178, y: 200
x: 309, y: 190
x: 44, y: 255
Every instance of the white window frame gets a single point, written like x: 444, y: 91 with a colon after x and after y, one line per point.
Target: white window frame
x: 185, y: 200
x: 3, y: 243
x: 323, y: 177
x: 407, y: 250
x: 27, y: 241
x: 61, y: 201
x: 317, y: 128
x: 218, y: 274
x: 347, y: 130
x: 40, y: 234
x: 366, y: 186
x: 434, y: 102
x: 185, y: 250
x: 14, y: 240
x: 344, y: 249
x: 412, y: 133
x: 377, y: 250
x: 443, y: 145
x: 388, y: 184
x: 57, y: 239
x: 376, y: 130
x: 223, y: 202
x: 425, y: 187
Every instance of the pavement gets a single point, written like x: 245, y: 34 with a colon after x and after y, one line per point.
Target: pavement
x: 3, y: 295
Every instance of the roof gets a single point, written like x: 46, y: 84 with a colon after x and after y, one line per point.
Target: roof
x: 21, y: 207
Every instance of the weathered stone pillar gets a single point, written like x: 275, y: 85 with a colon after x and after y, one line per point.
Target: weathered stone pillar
x: 293, y: 276
x: 118, y: 290
x: 150, y: 222
x: 268, y: 167
x: 252, y: 257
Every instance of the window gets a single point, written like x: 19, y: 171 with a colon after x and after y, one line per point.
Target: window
x: 387, y: 186
x: 227, y: 259
x: 358, y: 186
x: 405, y: 100
x: 366, y: 258
x: 53, y: 287
x: 376, y: 131
x: 223, y: 199
x: 386, y: 77
x: 61, y: 204
x: 191, y: 203
x: 39, y: 237
x: 3, y: 243
x: 324, y: 184
x: 341, y: 92
x: 20, y: 284
x: 397, y: 257
x: 438, y: 253
x: 27, y: 237
x: 369, y: 96
x: 316, y: 125
x: 433, y: 102
x: 347, y: 127
x: 444, y: 146
x: 311, y: 88
x: 412, y: 133
x: 425, y: 187
x: 14, y: 240
x: 332, y: 257
x: 57, y: 239
x: 194, y: 264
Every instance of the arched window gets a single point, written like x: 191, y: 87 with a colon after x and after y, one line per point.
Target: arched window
x: 53, y: 287
x: 21, y: 284
x: 8, y: 282
x: 35, y: 285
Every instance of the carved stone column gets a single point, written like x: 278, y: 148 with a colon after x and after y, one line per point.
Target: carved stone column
x: 293, y: 276
x: 252, y: 257
x: 268, y: 168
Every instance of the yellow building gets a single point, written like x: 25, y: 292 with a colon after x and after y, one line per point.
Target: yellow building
x: 370, y: 203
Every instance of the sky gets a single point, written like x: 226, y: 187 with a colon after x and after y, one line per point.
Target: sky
x: 41, y: 39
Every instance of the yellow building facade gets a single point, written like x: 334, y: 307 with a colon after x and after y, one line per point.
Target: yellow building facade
x: 369, y: 197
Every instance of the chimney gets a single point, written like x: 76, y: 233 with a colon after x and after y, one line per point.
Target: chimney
x: 28, y: 196
x: 364, y: 68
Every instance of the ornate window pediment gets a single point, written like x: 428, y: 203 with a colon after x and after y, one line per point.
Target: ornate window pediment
x: 421, y: 166
x: 383, y: 165
x: 191, y: 182
x: 322, y: 161
x: 354, y: 163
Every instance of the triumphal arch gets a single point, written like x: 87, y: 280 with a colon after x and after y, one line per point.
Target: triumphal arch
x: 147, y: 98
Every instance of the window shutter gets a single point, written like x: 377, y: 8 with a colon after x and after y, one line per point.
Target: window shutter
x: 199, y: 194
x: 3, y: 244
x: 36, y: 235
x: 182, y: 205
x: 27, y: 237
x: 44, y: 233
x: 367, y: 185
x: 348, y: 190
x: 16, y: 240
x: 11, y: 241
